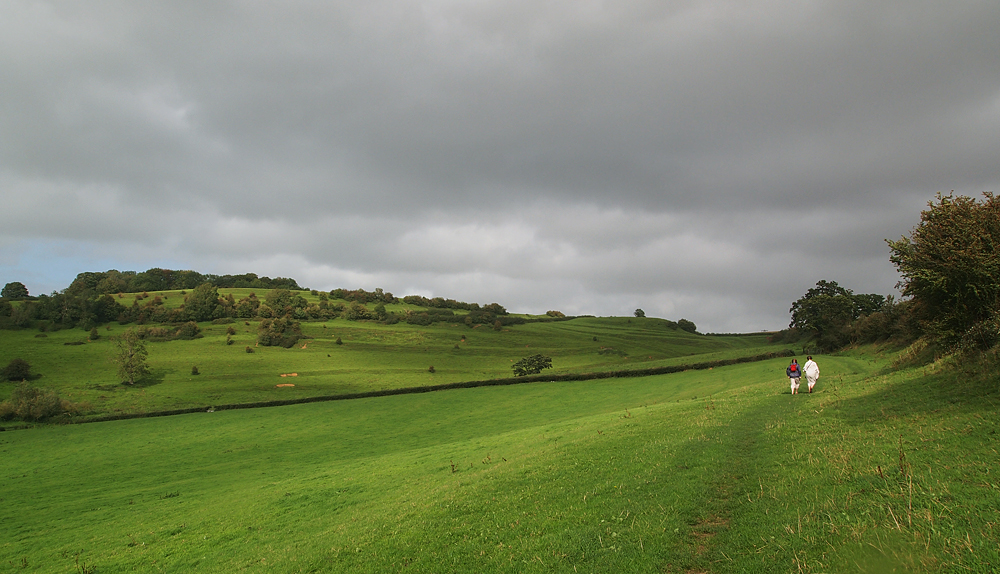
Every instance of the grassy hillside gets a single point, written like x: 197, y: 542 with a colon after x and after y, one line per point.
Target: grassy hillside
x: 881, y: 470
x: 373, y: 356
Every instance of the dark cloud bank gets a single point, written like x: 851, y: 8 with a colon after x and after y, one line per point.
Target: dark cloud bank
x: 709, y: 160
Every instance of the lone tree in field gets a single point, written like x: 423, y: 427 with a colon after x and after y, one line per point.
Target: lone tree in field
x: 639, y: 313
x: 130, y: 356
x: 531, y: 365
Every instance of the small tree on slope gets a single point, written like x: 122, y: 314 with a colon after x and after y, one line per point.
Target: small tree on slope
x: 130, y: 357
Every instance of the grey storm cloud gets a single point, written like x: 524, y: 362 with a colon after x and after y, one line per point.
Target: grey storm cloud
x: 702, y: 159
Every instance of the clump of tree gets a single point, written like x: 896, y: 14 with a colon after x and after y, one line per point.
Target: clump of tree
x: 950, y: 268
x: 14, y: 290
x: 685, y: 325
x: 827, y: 312
x: 362, y: 296
x: 62, y: 310
x: 531, y: 365
x: 156, y: 279
x: 93, y: 299
x: 203, y: 303
x: 442, y: 303
x: 129, y: 356
x: 184, y: 331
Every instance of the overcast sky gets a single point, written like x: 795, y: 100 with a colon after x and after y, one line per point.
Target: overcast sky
x: 707, y: 160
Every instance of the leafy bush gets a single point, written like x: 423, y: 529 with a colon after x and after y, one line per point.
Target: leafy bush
x: 154, y: 333
x: 279, y: 300
x: 685, y: 325
x: 16, y: 370
x: 358, y: 312
x: 188, y: 331
x: 282, y: 332
x: 421, y: 319
x: 531, y: 365
x: 29, y: 403
x: 950, y: 266
x: 247, y: 307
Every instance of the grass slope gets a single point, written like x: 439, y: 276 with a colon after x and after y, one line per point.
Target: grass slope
x: 373, y: 356
x: 700, y: 471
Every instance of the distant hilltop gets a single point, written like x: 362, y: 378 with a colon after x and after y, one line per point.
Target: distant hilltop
x: 156, y: 279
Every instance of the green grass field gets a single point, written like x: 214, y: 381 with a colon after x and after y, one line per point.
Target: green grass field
x: 373, y: 356
x: 702, y: 471
x: 884, y: 469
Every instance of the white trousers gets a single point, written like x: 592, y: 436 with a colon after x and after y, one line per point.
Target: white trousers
x: 795, y: 383
x: 811, y: 381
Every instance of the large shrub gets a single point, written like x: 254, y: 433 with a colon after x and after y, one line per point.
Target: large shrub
x: 29, y: 403
x: 950, y: 266
x: 357, y: 312
x: 280, y: 300
x: 685, y: 325
x: 16, y: 370
x: 283, y: 332
x: 188, y: 331
x: 531, y: 365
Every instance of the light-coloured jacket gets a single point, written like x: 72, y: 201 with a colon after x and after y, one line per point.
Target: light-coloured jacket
x: 811, y: 369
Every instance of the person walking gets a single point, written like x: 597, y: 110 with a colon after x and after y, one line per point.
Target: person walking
x: 811, y: 369
x: 794, y: 374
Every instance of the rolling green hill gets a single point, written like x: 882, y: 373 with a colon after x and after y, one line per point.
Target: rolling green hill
x: 886, y: 468
x: 372, y: 356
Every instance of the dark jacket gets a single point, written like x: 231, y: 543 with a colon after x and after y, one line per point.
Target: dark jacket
x: 794, y: 371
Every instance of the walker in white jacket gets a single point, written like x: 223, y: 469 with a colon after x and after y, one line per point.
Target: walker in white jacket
x: 811, y: 370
